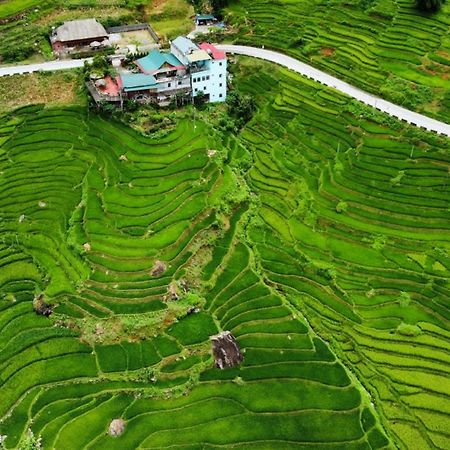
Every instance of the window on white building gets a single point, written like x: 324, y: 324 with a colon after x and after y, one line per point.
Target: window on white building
x: 169, y: 84
x: 220, y: 75
x: 207, y: 77
x: 220, y: 84
x: 220, y: 64
x: 220, y: 95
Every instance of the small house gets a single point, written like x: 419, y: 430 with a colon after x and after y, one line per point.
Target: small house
x: 79, y: 33
x: 137, y: 84
x: 205, y: 19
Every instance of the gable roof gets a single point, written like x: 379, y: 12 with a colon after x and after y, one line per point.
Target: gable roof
x: 213, y: 51
x: 137, y: 82
x: 75, y: 30
x: 184, y: 44
x: 156, y: 59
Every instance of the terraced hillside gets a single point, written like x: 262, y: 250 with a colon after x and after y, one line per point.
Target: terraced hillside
x: 88, y: 209
x: 354, y: 229
x: 319, y: 236
x: 381, y: 46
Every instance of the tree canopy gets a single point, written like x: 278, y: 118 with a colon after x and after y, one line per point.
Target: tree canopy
x: 430, y: 5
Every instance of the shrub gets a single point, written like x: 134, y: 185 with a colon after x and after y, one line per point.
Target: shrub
x: 241, y: 108
x: 429, y: 5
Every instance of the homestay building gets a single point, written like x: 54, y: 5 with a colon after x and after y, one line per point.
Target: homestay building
x: 207, y: 68
x: 78, y: 34
x: 184, y: 72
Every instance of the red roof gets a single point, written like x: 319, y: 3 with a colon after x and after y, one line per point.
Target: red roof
x: 213, y: 51
x: 111, y: 87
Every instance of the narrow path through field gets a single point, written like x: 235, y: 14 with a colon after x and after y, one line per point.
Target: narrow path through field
x: 328, y: 80
x: 286, y: 61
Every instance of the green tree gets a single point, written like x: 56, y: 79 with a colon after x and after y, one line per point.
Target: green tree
x: 200, y: 98
x: 430, y: 5
x: 240, y: 107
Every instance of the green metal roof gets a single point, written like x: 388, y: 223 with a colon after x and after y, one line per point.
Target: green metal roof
x: 156, y: 59
x: 137, y: 82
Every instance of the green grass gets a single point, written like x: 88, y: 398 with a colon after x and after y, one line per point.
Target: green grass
x: 11, y: 7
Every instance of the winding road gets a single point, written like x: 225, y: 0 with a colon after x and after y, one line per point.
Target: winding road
x: 382, y: 105
x: 291, y: 63
x: 42, y: 67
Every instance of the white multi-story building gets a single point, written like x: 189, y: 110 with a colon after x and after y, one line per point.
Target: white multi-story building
x: 163, y: 77
x: 207, y: 67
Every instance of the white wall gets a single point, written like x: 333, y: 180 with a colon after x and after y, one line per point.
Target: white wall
x: 212, y: 81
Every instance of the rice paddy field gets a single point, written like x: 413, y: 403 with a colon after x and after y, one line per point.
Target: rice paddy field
x: 385, y: 47
x: 318, y: 236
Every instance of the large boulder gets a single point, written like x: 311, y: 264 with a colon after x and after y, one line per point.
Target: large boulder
x: 226, y: 350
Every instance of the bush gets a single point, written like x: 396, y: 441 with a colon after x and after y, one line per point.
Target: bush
x: 241, y: 108
x: 406, y: 93
x: 429, y: 5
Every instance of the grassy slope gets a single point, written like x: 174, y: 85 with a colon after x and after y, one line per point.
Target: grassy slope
x: 51, y: 88
x: 382, y: 46
x: 348, y: 228
x: 11, y: 7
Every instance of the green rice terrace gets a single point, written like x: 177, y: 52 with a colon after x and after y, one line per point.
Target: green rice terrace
x: 319, y: 236
x: 382, y: 46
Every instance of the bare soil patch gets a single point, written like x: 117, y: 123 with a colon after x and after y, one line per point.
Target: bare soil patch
x: 327, y: 51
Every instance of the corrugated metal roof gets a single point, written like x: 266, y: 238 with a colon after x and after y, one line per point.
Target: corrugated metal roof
x: 156, y: 59
x: 205, y: 17
x: 137, y: 82
x: 184, y: 44
x: 80, y: 29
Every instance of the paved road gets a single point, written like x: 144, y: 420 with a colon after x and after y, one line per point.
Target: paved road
x: 286, y: 61
x: 322, y: 77
x: 45, y: 67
